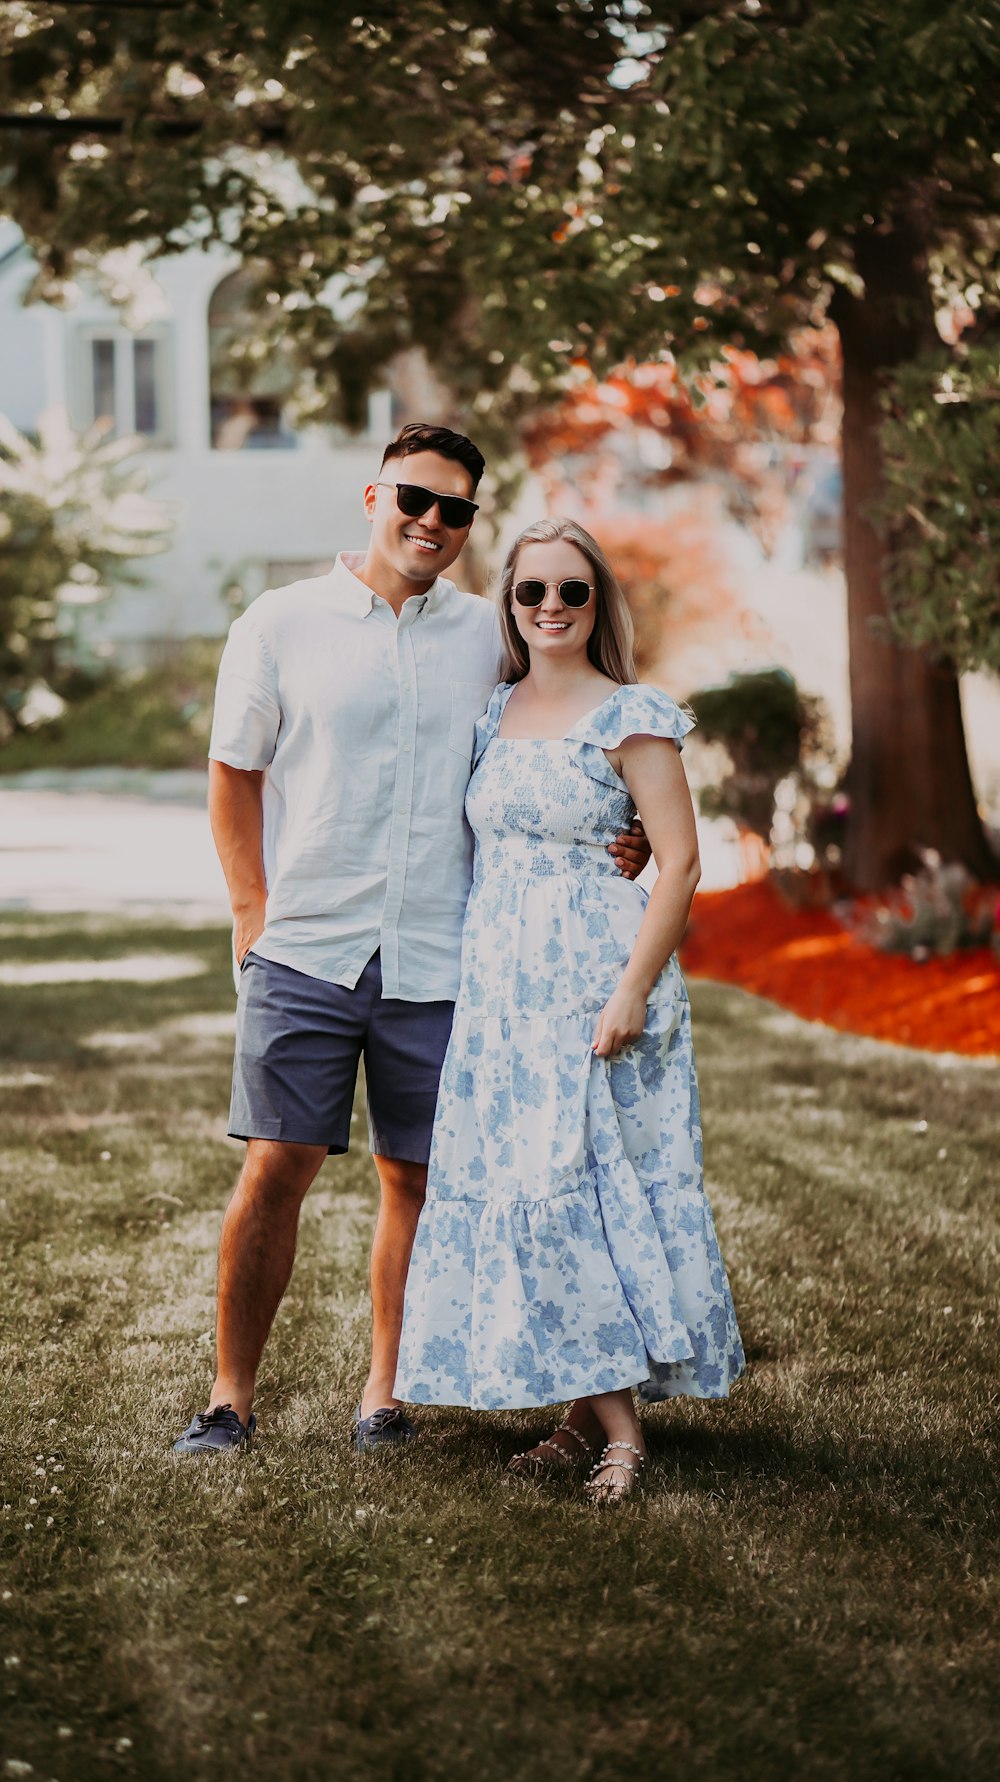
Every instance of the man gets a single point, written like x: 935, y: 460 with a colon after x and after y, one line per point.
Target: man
x: 339, y: 762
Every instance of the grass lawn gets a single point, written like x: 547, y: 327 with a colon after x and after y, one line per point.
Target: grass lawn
x: 806, y: 1588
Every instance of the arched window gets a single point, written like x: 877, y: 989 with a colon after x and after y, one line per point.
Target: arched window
x: 251, y: 381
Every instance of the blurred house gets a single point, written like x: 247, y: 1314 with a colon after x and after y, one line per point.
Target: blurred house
x: 257, y: 502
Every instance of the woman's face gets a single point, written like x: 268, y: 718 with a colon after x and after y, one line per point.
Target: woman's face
x: 554, y: 630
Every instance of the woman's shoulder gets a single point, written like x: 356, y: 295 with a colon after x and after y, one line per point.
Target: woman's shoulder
x: 486, y: 726
x: 497, y: 700
x: 636, y: 709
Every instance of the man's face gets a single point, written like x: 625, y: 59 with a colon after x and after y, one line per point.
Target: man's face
x: 423, y: 548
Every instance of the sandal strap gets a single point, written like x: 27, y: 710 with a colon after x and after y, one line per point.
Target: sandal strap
x: 563, y: 1458
x: 631, y: 1449
x: 567, y: 1429
x: 604, y: 1466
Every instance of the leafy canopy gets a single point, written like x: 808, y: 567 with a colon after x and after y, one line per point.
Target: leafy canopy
x: 941, y: 505
x: 508, y: 184
x: 515, y: 187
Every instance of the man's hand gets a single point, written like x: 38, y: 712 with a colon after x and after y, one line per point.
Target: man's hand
x: 248, y: 926
x: 236, y: 813
x: 630, y: 851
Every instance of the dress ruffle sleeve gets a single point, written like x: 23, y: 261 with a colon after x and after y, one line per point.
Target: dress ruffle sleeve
x: 637, y: 710
x: 488, y: 724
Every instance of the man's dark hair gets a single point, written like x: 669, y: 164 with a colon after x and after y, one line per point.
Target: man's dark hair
x: 422, y: 436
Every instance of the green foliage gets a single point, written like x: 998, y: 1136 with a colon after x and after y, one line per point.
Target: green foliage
x: 508, y: 186
x: 941, y: 505
x: 515, y: 186
x: 769, y: 732
x: 73, y: 519
x: 159, y: 719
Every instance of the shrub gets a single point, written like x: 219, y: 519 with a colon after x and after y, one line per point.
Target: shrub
x: 769, y: 764
x: 937, y: 910
x: 157, y: 718
x: 73, y: 521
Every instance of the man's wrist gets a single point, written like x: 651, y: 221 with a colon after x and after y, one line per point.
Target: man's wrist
x: 251, y: 905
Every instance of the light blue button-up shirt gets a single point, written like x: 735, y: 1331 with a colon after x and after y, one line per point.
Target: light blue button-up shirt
x: 363, y: 724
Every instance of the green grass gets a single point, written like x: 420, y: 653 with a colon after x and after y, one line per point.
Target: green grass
x: 806, y: 1588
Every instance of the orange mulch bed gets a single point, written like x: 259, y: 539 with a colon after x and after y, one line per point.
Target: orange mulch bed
x: 806, y: 961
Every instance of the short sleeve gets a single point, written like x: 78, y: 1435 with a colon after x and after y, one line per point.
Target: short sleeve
x: 488, y: 725
x: 247, y: 712
x: 634, y: 711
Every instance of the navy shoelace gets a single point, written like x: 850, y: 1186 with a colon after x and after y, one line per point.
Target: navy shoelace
x: 379, y: 1419
x: 220, y: 1416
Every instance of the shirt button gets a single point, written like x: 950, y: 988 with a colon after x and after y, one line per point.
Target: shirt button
x: 406, y: 748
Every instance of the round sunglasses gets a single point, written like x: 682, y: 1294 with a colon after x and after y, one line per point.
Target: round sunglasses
x: 572, y: 592
x: 413, y: 500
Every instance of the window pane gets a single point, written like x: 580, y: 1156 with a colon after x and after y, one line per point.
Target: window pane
x: 243, y: 423
x: 249, y: 388
x: 144, y: 366
x: 102, y: 361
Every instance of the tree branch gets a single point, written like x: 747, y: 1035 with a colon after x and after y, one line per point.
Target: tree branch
x: 275, y: 131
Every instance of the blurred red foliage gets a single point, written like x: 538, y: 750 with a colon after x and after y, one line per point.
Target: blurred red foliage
x: 680, y: 588
x: 721, y: 425
x: 806, y: 961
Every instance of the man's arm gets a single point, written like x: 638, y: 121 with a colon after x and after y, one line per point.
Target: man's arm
x: 236, y: 815
x: 631, y: 851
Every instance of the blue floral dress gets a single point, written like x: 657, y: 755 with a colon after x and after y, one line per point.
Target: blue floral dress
x: 566, y: 1246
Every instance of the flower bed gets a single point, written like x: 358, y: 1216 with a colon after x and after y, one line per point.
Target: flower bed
x: 806, y: 961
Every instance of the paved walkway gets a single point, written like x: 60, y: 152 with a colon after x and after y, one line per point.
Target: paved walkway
x: 142, y: 850
x: 107, y: 840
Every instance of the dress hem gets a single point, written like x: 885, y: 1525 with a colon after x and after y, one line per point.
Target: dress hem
x: 523, y: 1402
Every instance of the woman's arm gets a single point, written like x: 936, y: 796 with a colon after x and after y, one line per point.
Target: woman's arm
x: 651, y: 768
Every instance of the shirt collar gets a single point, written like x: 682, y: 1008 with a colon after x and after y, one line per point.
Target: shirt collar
x: 358, y: 597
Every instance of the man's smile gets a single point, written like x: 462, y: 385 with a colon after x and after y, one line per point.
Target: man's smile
x: 426, y: 544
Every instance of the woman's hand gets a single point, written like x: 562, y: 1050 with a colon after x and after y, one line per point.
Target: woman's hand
x: 621, y: 1021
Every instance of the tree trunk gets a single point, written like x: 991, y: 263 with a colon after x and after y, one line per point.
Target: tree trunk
x: 909, y: 781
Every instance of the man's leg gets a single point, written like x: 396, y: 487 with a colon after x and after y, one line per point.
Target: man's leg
x: 402, y: 1196
x: 404, y: 1050
x: 256, y: 1253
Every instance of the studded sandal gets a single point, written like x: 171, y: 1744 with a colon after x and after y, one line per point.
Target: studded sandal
x: 532, y: 1466
x: 613, y: 1491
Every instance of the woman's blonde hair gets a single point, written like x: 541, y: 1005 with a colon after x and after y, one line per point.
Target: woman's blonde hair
x: 611, y: 642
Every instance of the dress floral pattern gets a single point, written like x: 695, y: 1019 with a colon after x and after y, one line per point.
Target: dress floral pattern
x: 566, y: 1246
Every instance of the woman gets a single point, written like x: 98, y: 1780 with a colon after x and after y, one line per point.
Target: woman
x: 566, y: 1249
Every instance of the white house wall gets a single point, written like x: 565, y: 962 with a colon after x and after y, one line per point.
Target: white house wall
x: 29, y: 344
x: 236, y: 511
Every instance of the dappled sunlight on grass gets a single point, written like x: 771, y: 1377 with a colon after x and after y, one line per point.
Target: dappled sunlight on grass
x: 137, y: 968
x: 814, y: 1560
x: 205, y: 1031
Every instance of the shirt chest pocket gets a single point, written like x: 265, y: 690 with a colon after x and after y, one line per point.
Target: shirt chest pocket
x: 469, y: 700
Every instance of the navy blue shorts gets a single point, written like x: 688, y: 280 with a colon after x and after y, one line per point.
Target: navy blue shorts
x: 298, y: 1042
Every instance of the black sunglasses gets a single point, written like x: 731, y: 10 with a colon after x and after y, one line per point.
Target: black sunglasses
x: 413, y: 501
x: 572, y: 592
